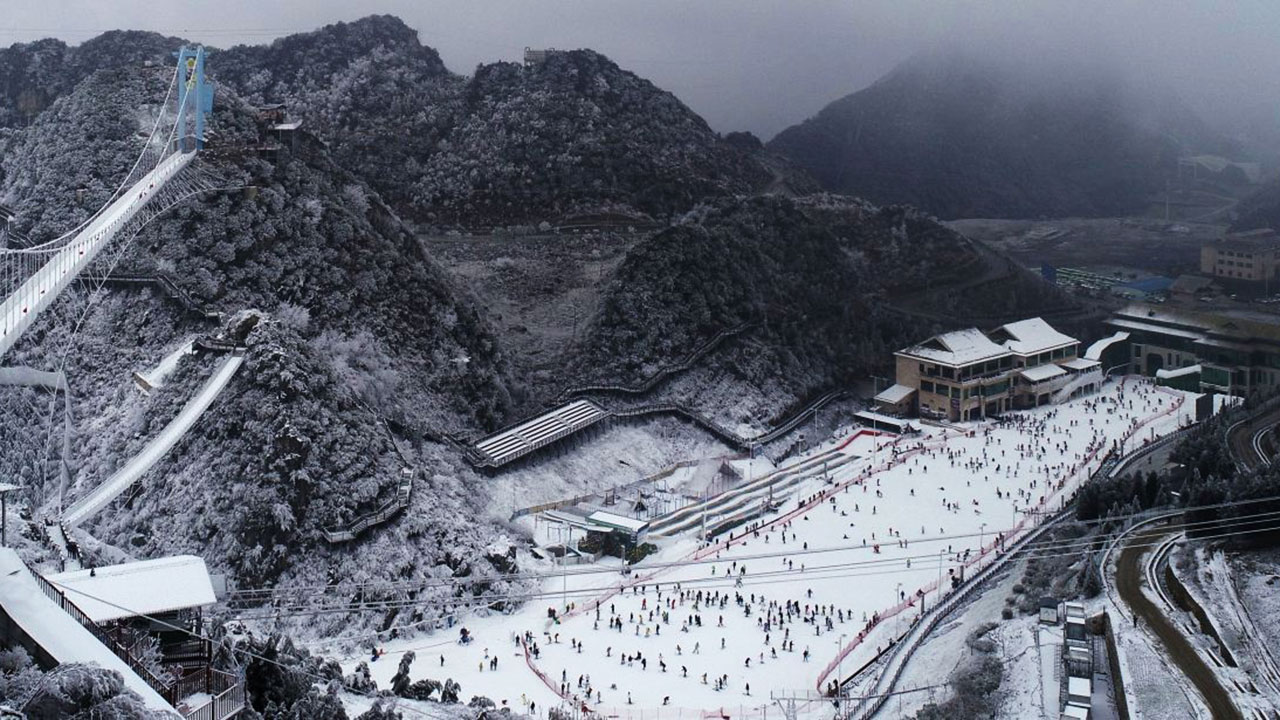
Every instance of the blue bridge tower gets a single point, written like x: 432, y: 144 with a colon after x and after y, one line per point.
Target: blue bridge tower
x: 191, y: 81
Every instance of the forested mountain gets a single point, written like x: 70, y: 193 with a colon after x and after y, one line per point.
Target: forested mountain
x: 512, y: 144
x: 961, y: 135
x: 360, y: 345
x: 33, y: 75
x: 345, y: 317
x: 1260, y: 210
x: 820, y: 279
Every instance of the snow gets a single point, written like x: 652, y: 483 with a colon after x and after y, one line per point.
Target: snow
x: 891, y: 522
x: 1042, y: 372
x: 961, y: 348
x: 146, y: 587
x: 647, y: 447
x: 874, y: 419
x: 1165, y: 373
x: 608, y: 519
x: 895, y: 394
x: 156, y: 378
x: 1094, y: 352
x: 56, y: 632
x: 139, y: 464
x: 1033, y: 336
x: 1080, y: 364
x: 1209, y: 578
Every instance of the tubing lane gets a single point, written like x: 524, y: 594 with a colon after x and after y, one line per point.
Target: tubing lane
x: 139, y: 464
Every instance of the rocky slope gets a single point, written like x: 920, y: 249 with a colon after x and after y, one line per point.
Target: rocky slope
x: 964, y: 136
x: 511, y: 145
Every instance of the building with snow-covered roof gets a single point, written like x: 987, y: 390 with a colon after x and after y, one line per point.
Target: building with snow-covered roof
x: 149, y: 588
x: 33, y: 616
x: 158, y: 601
x: 52, y: 621
x: 1237, y: 350
x: 1034, y: 341
x: 968, y: 374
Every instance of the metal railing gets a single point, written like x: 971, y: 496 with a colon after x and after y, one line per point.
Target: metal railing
x: 228, y: 697
x: 666, y: 372
x: 59, y: 598
x: 394, y: 506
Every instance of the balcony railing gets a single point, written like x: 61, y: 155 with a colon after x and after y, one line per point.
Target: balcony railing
x: 227, y: 690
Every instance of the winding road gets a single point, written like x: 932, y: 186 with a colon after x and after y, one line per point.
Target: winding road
x: 1130, y: 571
x: 1251, y: 441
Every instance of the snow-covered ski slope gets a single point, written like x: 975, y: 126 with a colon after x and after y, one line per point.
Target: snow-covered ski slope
x: 38, y: 292
x: 869, y: 544
x: 139, y: 464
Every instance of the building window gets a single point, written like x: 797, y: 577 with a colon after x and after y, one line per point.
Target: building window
x: 926, y: 386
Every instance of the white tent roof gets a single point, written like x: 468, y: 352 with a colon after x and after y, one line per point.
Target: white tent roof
x: 1034, y: 335
x: 60, y: 635
x: 138, y: 588
x: 1042, y: 372
x: 622, y: 521
x: 895, y: 394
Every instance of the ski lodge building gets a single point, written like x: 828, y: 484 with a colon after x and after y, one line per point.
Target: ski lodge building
x: 109, y: 616
x: 970, y: 374
x: 1234, y: 352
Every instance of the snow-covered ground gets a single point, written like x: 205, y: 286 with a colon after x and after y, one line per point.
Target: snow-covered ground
x: 781, y: 607
x: 1210, y: 579
x: 620, y: 454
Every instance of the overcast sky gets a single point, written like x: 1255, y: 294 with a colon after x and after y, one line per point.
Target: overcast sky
x: 754, y: 64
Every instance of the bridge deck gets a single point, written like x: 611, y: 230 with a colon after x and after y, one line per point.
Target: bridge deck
x: 38, y: 292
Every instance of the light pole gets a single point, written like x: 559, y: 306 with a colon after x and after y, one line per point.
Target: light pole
x: 839, y: 670
x: 981, y: 530
x: 5, y: 489
x: 940, y: 554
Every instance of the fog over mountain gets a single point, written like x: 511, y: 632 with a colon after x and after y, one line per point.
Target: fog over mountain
x: 769, y: 65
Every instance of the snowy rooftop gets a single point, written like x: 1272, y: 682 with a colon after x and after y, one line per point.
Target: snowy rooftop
x: 895, y: 394
x: 1080, y: 364
x: 1079, y: 686
x: 621, y: 522
x: 1239, y: 323
x: 57, y: 632
x: 958, y: 347
x: 876, y: 419
x: 1032, y: 336
x: 138, y: 588
x: 1095, y: 350
x: 1042, y: 372
x: 1167, y: 373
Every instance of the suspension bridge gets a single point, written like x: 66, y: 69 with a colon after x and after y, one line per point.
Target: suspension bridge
x: 33, y: 276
